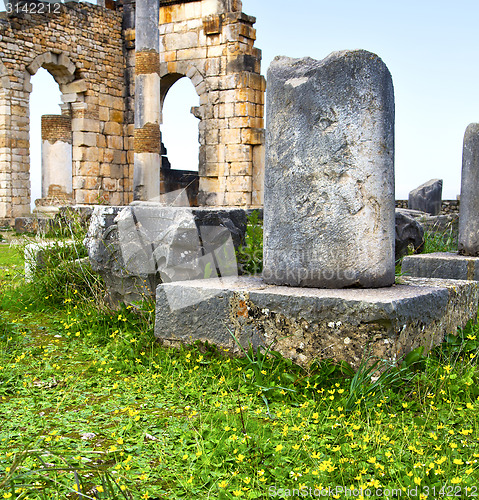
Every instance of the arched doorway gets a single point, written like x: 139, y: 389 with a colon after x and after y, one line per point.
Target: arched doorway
x: 180, y: 141
x: 179, y: 128
x: 45, y: 99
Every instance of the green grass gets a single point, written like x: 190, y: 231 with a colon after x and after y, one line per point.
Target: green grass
x: 441, y: 241
x: 93, y: 407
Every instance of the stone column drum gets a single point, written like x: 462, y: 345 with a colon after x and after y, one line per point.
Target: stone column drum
x: 56, y: 155
x: 468, y: 242
x: 329, y: 178
x: 146, y: 176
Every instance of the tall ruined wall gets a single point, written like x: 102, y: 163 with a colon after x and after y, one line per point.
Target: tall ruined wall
x: 90, y: 52
x: 82, y: 47
x: 212, y: 43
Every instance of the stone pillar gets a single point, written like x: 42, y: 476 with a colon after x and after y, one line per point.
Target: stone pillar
x: 468, y: 243
x: 427, y: 197
x: 146, y: 177
x: 329, y: 176
x: 56, y: 156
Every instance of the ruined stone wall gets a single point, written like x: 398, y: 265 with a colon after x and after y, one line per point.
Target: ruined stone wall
x: 211, y: 42
x: 90, y: 52
x: 56, y: 128
x: 82, y: 47
x: 447, y: 206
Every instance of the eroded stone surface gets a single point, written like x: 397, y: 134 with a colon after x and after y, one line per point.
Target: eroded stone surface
x: 137, y: 247
x: 409, y: 234
x: 329, y: 178
x: 304, y: 324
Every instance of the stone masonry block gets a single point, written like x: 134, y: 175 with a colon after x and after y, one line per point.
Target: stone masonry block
x: 313, y: 324
x: 252, y: 136
x: 240, y: 183
x: 238, y: 153
x: 84, y: 139
x: 112, y: 128
x: 230, y: 136
x: 240, y: 168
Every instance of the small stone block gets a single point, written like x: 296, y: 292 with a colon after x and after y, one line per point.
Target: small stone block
x: 441, y: 265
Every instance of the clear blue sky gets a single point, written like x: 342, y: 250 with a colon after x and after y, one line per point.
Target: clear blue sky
x: 430, y: 46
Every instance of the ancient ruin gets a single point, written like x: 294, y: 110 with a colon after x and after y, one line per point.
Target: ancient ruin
x: 115, y: 64
x: 301, y: 322
x: 115, y: 138
x: 463, y: 265
x: 212, y: 43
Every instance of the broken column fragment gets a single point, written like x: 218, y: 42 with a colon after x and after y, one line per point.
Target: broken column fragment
x: 468, y: 242
x: 329, y: 180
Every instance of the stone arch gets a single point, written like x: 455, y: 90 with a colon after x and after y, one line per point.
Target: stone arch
x: 167, y: 80
x: 93, y: 72
x: 172, y: 178
x: 4, y: 77
x: 64, y: 72
x: 58, y: 65
x: 215, y: 49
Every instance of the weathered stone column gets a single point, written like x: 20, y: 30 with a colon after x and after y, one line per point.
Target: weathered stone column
x: 56, y: 155
x: 329, y: 176
x: 146, y: 177
x: 468, y: 243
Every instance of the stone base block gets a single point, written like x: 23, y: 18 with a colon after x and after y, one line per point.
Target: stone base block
x: 33, y: 224
x: 304, y: 324
x: 441, y: 265
x: 135, y: 248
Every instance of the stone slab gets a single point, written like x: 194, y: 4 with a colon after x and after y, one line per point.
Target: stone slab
x: 445, y: 265
x: 427, y: 197
x: 304, y: 324
x: 136, y: 247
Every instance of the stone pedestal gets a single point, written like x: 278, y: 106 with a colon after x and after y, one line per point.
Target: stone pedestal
x: 305, y: 324
x: 329, y: 174
x: 445, y: 265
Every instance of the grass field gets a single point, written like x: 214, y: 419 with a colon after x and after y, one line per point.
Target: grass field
x: 93, y: 407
